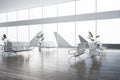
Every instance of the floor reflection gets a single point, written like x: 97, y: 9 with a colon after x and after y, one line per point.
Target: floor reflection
x: 80, y: 69
x: 94, y: 70
x: 54, y: 64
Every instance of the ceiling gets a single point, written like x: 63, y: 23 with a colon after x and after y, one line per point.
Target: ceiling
x: 11, y: 5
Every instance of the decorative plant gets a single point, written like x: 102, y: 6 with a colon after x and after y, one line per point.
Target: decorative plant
x: 41, y: 39
x: 93, y: 38
x: 4, y: 37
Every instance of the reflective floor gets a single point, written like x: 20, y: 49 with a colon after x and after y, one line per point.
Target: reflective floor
x: 57, y: 64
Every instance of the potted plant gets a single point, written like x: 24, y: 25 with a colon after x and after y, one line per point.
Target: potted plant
x: 93, y: 38
x: 4, y: 38
x: 41, y: 39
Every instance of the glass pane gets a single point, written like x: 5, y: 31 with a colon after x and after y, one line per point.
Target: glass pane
x: 3, y: 17
x: 34, y: 29
x: 66, y: 9
x: 48, y: 30
x: 12, y: 16
x: 85, y: 6
x: 67, y: 32
x: 50, y: 11
x: 12, y: 33
x: 23, y: 14
x: 23, y: 33
x: 36, y: 13
x: 82, y: 28
x: 2, y: 31
x: 108, y: 5
x: 109, y: 31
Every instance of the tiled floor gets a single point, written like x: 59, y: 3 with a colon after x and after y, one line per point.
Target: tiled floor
x: 57, y: 64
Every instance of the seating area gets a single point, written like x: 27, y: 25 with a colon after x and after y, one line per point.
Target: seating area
x: 85, y: 47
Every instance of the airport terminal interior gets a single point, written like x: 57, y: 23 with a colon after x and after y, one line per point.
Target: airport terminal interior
x: 59, y: 40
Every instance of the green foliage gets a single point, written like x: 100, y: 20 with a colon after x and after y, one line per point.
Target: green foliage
x: 90, y: 34
x: 97, y: 36
x: 41, y: 37
x: 4, y: 37
x: 93, y: 38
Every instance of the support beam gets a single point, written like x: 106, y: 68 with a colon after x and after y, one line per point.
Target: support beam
x: 71, y: 18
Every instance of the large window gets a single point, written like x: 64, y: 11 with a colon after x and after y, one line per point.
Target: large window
x: 85, y: 6
x: 66, y: 9
x: 34, y: 29
x: 50, y: 11
x: 67, y: 32
x: 23, y: 14
x: 23, y: 33
x: 12, y: 16
x: 3, y: 17
x: 48, y: 30
x: 109, y: 31
x: 83, y: 27
x: 3, y: 30
x: 12, y: 33
x: 108, y: 5
x: 36, y: 13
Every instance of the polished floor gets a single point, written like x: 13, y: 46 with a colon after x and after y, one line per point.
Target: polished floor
x: 57, y: 64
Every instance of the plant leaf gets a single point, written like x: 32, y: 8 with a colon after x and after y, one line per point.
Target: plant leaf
x: 41, y: 35
x: 42, y: 39
x: 92, y: 40
x: 38, y: 36
x: 97, y: 36
x: 89, y: 38
x: 91, y: 35
x: 4, y: 36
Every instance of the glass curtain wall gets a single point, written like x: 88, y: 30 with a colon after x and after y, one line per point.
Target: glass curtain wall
x: 23, y: 31
x: 50, y: 11
x: 66, y: 31
x: 48, y: 30
x: 34, y: 29
x: 85, y: 6
x: 3, y: 17
x: 82, y: 29
x: 12, y: 31
x: 108, y: 29
x: 66, y: 9
x: 69, y: 31
x: 12, y: 36
x: 35, y: 13
x: 108, y: 5
x: 3, y: 30
x: 12, y: 16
